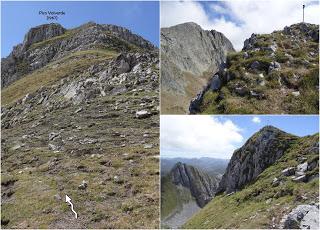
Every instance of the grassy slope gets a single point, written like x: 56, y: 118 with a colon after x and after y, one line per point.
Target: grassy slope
x: 31, y: 178
x: 277, y: 100
x: 258, y: 203
x: 130, y: 203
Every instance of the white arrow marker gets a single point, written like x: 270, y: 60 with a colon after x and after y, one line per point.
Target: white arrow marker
x: 68, y: 200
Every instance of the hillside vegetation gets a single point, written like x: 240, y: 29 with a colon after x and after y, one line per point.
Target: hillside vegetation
x: 274, y: 73
x: 263, y: 202
x: 79, y: 117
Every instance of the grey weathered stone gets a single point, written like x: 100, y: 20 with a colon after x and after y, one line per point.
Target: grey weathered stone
x: 142, y: 114
x: 288, y: 171
x: 302, y: 168
x: 257, y: 95
x: 274, y: 66
x: 255, y: 65
x: 301, y: 217
x: 249, y: 43
x: 275, y: 182
x: 241, y: 91
x: 215, y: 83
x: 302, y: 178
x: 295, y: 93
x: 83, y: 185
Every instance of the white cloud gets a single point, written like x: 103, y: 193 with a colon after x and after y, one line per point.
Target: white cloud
x: 256, y: 120
x: 198, y: 136
x: 248, y: 16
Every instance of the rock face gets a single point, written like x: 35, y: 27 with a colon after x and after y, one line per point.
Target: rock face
x: 41, y: 33
x: 278, y: 57
x: 201, y: 185
x: 50, y: 42
x: 187, y: 53
x: 259, y: 152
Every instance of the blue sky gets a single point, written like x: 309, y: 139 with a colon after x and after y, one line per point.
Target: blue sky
x: 237, y: 20
x: 219, y: 136
x: 297, y: 125
x: 18, y: 17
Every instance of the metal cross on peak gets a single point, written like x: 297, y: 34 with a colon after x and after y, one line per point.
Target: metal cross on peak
x: 303, y: 6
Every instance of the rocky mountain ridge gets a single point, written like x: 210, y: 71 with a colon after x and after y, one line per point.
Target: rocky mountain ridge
x: 272, y: 181
x: 201, y: 185
x: 274, y: 73
x: 188, y: 53
x: 259, y: 152
x: 50, y: 42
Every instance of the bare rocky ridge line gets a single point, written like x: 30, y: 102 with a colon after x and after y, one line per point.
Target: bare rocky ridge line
x: 259, y: 152
x: 35, y: 53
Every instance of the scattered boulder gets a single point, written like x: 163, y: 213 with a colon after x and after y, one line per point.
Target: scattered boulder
x: 118, y: 180
x: 55, y: 148
x: 123, y: 67
x: 143, y: 114
x: 302, y: 168
x: 57, y: 197
x: 241, y: 91
x: 257, y: 95
x: 288, y: 171
x: 295, y: 93
x: 245, y: 55
x: 83, y: 185
x: 302, y: 178
x: 53, y: 136
x: 255, y: 65
x: 274, y: 66
x: 148, y: 146
x: 275, y: 182
x: 215, y: 83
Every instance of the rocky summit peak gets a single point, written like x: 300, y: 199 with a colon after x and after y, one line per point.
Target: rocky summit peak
x: 270, y: 129
x: 187, y: 25
x: 259, y: 152
x: 42, y: 32
x: 188, y: 54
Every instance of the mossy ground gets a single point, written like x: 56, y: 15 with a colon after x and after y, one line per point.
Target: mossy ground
x: 260, y: 205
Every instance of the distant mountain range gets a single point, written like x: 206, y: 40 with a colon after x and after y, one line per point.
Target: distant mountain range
x: 212, y: 166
